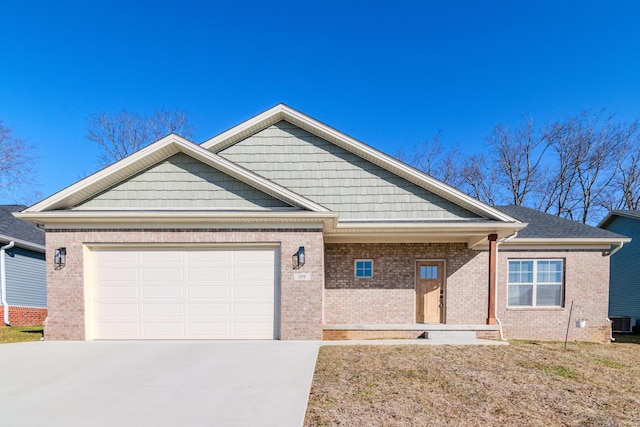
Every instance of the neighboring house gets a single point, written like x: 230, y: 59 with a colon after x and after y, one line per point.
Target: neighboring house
x: 23, y: 286
x: 285, y: 228
x: 624, y: 288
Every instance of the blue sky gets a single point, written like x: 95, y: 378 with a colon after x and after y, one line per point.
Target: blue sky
x: 387, y: 73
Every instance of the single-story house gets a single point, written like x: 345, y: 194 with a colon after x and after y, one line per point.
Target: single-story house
x: 285, y: 228
x: 624, y: 279
x: 23, y: 287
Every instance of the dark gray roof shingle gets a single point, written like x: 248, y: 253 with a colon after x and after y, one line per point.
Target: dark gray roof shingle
x: 547, y: 226
x: 15, y: 228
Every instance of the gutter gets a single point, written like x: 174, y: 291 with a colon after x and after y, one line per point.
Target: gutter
x: 616, y: 249
x: 3, y: 282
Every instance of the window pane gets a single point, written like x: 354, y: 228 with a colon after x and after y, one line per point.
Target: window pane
x: 520, y: 271
x: 549, y: 295
x: 520, y: 295
x: 364, y: 268
x: 428, y: 271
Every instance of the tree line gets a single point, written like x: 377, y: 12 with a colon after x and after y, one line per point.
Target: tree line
x: 577, y: 168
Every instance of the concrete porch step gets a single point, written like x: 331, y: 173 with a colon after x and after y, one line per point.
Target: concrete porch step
x: 451, y: 335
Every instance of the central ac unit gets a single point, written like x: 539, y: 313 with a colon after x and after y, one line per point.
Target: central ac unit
x: 622, y: 323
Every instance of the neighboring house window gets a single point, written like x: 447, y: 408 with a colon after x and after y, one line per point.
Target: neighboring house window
x: 535, y: 282
x: 364, y: 268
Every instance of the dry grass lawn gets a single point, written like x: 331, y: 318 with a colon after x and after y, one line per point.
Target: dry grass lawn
x: 523, y: 384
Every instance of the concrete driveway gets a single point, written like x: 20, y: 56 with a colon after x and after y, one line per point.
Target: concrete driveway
x: 156, y: 383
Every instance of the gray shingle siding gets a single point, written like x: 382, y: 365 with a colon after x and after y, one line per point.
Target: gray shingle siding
x: 336, y: 178
x: 183, y: 182
x: 26, y: 278
x: 624, y: 288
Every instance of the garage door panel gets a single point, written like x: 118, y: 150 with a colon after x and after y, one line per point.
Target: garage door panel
x: 162, y: 292
x: 176, y: 309
x: 163, y: 274
x: 207, y: 274
x: 252, y: 291
x: 164, y: 329
x: 213, y: 291
x: 204, y: 256
x: 120, y: 275
x: 210, y: 329
x: 117, y: 292
x: 252, y: 330
x: 117, y: 310
x: 162, y: 256
x: 169, y: 294
x: 209, y: 310
x: 119, y: 330
x: 254, y: 274
x: 253, y: 309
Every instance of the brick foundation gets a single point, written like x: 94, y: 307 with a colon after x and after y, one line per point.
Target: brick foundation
x: 24, y: 316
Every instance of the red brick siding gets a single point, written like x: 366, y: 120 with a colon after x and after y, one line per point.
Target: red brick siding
x: 586, y: 283
x: 24, y: 316
x: 300, y: 301
x: 389, y: 296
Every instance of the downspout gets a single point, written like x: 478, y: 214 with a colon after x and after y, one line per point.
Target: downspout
x: 617, y: 248
x: 3, y: 282
x: 495, y: 314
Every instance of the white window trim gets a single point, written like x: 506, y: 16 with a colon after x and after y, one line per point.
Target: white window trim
x: 355, y: 268
x: 535, y: 284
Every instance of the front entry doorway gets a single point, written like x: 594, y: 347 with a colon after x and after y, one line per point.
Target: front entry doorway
x: 430, y: 292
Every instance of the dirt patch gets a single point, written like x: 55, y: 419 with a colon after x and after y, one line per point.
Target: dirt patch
x: 524, y: 384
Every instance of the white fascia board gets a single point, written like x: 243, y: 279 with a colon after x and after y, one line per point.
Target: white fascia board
x: 283, y: 112
x: 151, y: 155
x: 139, y: 219
x: 22, y: 243
x: 560, y: 243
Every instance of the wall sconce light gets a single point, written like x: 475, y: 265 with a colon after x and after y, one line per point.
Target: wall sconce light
x: 60, y: 258
x: 298, y: 258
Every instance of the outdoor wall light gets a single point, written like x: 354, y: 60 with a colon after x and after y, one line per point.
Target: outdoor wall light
x: 298, y: 258
x: 60, y: 258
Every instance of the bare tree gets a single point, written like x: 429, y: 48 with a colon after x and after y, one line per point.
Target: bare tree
x: 123, y: 133
x: 599, y: 152
x: 477, y: 180
x: 434, y: 158
x: 516, y: 157
x: 17, y: 165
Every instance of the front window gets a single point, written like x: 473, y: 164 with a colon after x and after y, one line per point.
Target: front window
x: 535, y: 283
x: 363, y: 268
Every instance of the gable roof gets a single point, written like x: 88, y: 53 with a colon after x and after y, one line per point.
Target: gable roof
x: 71, y: 197
x: 632, y: 214
x: 545, y: 227
x: 283, y: 112
x: 24, y: 233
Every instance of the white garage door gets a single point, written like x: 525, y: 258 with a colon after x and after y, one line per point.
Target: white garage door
x: 185, y: 294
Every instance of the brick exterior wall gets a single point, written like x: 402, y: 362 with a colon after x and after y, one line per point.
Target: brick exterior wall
x: 24, y: 316
x: 389, y: 297
x: 300, y: 301
x: 586, y: 283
